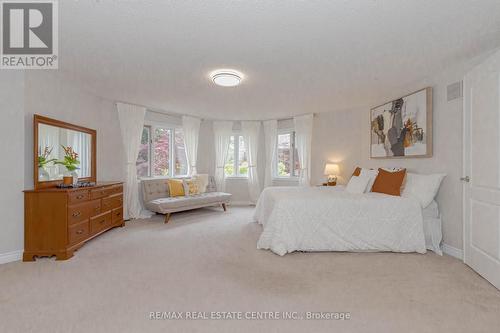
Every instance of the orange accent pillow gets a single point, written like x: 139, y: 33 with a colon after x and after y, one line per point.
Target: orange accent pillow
x: 357, y: 172
x: 389, y: 182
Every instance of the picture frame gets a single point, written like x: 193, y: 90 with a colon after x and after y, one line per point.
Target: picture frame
x: 402, y: 128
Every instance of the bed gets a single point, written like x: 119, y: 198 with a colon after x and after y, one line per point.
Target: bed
x: 331, y: 219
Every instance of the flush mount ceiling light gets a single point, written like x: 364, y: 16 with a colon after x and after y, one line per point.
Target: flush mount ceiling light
x: 226, y: 77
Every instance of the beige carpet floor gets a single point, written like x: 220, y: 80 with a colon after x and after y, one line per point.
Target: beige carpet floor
x: 207, y: 260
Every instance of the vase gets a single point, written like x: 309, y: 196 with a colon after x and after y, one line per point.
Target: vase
x: 43, y: 175
x: 67, y: 180
x: 75, y: 177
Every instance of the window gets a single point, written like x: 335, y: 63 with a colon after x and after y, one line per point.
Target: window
x: 181, y: 163
x: 237, y: 159
x: 143, y: 160
x: 288, y: 161
x: 162, y: 152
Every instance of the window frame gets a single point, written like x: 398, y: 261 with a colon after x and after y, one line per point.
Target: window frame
x: 171, y: 153
x: 293, y: 142
x: 236, y: 158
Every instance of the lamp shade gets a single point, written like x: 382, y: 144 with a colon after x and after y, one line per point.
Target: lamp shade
x: 331, y: 169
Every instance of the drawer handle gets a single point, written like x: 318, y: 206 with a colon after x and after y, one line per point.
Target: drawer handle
x: 79, y: 232
x: 76, y: 214
x: 81, y: 196
x: 103, y: 192
x: 96, y: 208
x: 102, y: 221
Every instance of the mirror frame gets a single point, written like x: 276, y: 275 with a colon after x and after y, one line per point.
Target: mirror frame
x: 38, y: 119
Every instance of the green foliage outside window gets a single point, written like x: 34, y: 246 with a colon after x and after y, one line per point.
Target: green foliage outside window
x: 282, y: 170
x: 229, y: 169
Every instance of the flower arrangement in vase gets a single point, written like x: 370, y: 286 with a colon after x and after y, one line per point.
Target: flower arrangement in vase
x: 71, y: 163
x: 43, y: 160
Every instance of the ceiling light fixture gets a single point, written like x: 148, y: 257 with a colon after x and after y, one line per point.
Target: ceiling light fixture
x: 226, y: 77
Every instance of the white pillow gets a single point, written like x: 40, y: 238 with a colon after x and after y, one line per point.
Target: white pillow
x: 357, y: 184
x: 422, y: 187
x: 202, y: 180
x: 371, y: 174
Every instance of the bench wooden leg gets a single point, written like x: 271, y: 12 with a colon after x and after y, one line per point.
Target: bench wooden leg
x: 167, y: 217
x: 224, y: 206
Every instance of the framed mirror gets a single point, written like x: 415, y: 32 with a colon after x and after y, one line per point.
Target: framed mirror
x: 62, y: 149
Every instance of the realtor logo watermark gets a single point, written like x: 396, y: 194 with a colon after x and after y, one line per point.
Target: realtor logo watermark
x: 29, y: 34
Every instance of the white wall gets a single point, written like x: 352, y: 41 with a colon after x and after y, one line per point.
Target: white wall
x: 336, y: 139
x: 11, y: 170
x: 206, y: 149
x: 49, y: 94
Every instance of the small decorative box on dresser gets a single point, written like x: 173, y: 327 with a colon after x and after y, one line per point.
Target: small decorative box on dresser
x: 59, y: 221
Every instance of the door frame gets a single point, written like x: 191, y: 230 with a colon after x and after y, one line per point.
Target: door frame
x: 466, y: 116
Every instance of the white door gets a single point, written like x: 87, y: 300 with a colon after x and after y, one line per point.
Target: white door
x: 482, y: 169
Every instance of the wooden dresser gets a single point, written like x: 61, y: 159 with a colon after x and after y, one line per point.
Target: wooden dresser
x: 59, y: 221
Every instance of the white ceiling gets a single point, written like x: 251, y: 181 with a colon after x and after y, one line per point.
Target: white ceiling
x: 298, y: 56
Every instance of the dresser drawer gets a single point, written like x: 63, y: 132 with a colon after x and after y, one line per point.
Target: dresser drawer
x: 117, y: 215
x: 112, y: 202
x: 78, y: 196
x: 78, y: 213
x: 100, y: 223
x: 100, y: 192
x: 95, y: 207
x: 116, y: 189
x: 81, y: 212
x: 78, y: 232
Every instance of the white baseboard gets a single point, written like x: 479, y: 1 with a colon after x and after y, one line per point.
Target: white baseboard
x: 11, y: 256
x: 453, y: 251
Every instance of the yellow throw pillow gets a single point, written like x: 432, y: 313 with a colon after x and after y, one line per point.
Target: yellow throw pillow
x: 193, y: 187
x: 176, y: 187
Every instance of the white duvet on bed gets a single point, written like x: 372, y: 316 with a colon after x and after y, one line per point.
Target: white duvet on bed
x: 330, y: 219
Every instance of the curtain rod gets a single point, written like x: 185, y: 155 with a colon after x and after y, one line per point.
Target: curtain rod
x: 165, y: 113
x: 171, y: 113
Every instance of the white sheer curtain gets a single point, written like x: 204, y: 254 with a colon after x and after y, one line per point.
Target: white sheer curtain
x: 191, y: 129
x: 49, y: 137
x: 80, y: 142
x: 222, y: 134
x: 250, y: 131
x: 131, y: 119
x: 303, y: 139
x: 271, y: 138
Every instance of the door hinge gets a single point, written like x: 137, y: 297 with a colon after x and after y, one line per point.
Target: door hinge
x: 465, y: 179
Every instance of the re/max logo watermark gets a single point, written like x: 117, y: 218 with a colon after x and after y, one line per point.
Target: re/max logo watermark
x: 29, y: 34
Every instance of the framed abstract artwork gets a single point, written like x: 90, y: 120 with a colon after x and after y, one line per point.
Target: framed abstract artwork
x: 402, y: 128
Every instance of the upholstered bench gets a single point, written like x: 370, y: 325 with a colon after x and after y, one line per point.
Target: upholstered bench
x: 157, y: 198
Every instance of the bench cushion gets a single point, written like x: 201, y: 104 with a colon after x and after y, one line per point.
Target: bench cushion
x: 171, y: 204
x: 154, y: 189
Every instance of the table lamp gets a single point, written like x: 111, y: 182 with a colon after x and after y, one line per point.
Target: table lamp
x: 331, y: 170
